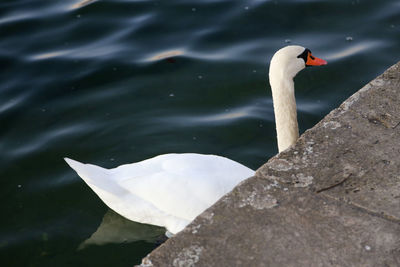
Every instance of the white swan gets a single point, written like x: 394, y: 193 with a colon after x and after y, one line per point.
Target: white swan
x: 171, y: 190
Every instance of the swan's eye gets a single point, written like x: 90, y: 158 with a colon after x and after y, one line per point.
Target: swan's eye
x: 304, y: 55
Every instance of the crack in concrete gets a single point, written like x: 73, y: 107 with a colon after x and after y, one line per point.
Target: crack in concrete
x: 335, y: 184
x: 381, y: 215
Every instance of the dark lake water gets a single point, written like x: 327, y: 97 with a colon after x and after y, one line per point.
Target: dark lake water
x: 113, y: 82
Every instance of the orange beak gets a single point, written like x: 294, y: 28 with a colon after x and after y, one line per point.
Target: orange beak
x: 314, y: 61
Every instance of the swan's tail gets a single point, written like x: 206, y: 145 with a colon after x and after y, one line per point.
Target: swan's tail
x: 96, y: 177
x: 77, y: 166
x: 106, y: 185
x: 87, y: 171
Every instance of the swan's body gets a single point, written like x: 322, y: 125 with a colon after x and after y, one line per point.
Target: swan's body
x: 171, y: 190
x: 168, y: 190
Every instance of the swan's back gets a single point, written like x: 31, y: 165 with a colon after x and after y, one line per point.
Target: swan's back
x: 168, y: 190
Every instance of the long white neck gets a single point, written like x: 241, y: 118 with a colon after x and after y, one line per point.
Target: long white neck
x: 284, y: 101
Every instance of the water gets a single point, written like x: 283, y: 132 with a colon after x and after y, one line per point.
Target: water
x: 113, y: 82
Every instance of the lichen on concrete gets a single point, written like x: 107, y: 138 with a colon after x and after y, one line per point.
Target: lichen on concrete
x: 301, y: 180
x: 188, y: 256
x: 258, y: 201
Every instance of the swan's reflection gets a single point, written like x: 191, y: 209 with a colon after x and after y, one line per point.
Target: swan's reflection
x: 116, y: 229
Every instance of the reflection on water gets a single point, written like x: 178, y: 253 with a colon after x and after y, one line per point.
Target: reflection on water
x: 82, y: 3
x: 354, y: 49
x: 165, y: 55
x: 255, y: 109
x: 91, y: 51
x: 118, y: 230
x: 49, y: 55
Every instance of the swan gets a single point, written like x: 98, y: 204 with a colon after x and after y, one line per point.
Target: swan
x: 170, y: 190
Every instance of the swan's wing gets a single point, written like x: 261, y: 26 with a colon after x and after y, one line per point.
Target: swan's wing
x: 183, y: 185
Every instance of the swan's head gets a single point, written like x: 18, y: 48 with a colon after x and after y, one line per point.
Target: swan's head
x: 288, y: 61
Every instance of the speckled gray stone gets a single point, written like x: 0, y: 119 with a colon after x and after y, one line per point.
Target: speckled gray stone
x: 333, y: 199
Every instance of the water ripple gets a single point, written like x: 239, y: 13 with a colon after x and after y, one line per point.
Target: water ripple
x: 42, y: 141
x: 106, y: 46
x: 12, y: 103
x: 165, y: 55
x: 355, y: 49
x: 254, y: 110
x: 82, y: 4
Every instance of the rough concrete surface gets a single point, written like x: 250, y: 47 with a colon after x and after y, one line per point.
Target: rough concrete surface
x: 333, y: 199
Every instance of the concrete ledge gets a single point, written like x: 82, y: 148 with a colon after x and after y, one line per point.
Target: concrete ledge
x: 333, y: 199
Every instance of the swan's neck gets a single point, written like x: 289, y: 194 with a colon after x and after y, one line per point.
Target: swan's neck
x: 284, y: 101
